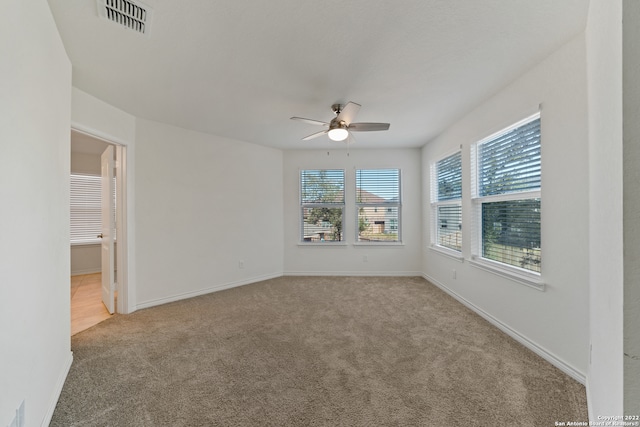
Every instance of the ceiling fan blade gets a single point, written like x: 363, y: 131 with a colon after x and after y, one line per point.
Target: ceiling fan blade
x: 310, y: 121
x: 365, y: 127
x: 348, y: 113
x: 315, y: 135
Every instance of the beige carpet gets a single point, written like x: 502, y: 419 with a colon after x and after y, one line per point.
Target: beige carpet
x: 319, y: 351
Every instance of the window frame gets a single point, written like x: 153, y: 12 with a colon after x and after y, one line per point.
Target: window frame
x: 436, y: 203
x: 518, y: 274
x: 384, y: 205
x: 316, y: 205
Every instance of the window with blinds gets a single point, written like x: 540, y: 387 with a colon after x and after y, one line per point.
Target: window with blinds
x: 507, y: 189
x: 86, y: 208
x: 322, y: 205
x: 446, y: 202
x: 379, y: 205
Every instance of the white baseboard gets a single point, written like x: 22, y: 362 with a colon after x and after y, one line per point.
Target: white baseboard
x: 86, y: 271
x: 590, y: 413
x: 355, y: 273
x: 58, y: 389
x: 215, y: 288
x: 537, y: 349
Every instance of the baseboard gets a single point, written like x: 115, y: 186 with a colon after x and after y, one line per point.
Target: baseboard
x: 215, y: 288
x: 86, y: 271
x: 355, y: 273
x: 540, y: 351
x: 57, y: 390
x: 589, y: 408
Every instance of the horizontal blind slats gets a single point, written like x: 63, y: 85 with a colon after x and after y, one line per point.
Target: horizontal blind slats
x: 322, y: 186
x: 377, y: 186
x: 449, y: 177
x: 378, y: 201
x: 511, y: 162
x: 85, y: 208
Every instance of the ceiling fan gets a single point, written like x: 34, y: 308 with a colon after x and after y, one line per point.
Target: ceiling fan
x: 342, y: 124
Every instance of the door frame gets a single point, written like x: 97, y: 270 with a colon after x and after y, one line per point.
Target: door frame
x: 123, y: 286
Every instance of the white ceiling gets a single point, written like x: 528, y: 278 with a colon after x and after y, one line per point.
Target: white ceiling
x: 240, y: 69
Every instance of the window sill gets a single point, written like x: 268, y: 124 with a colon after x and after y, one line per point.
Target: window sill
x: 87, y: 243
x: 531, y: 280
x: 316, y: 244
x: 447, y: 252
x: 378, y: 244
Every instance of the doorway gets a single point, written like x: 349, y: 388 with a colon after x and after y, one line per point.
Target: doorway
x: 90, y: 304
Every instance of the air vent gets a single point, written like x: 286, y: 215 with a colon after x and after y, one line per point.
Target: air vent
x: 133, y: 15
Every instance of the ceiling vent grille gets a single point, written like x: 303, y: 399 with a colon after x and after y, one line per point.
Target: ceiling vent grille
x: 133, y: 15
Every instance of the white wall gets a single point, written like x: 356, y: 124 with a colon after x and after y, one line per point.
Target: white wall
x: 102, y: 120
x: 86, y: 259
x: 631, y: 211
x: 348, y: 259
x: 35, y: 103
x: 204, y: 203
x: 553, y: 322
x: 604, y: 68
x: 85, y: 163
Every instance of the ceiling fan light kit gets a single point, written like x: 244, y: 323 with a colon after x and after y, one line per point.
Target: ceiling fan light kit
x: 338, y: 134
x: 340, y: 127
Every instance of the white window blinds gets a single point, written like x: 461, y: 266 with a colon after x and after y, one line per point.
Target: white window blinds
x: 322, y: 186
x: 322, y: 205
x: 446, y: 206
x: 85, y: 209
x: 449, y: 177
x: 379, y: 205
x: 508, y: 194
x: 510, y: 162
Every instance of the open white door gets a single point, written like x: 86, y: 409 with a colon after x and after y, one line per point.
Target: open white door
x: 108, y: 227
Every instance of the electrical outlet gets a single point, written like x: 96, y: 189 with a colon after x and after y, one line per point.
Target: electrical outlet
x: 240, y: 264
x: 454, y: 274
x: 365, y: 258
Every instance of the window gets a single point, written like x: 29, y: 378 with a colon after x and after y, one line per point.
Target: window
x: 322, y: 205
x: 85, y: 209
x: 446, y: 205
x: 378, y: 204
x: 506, y: 188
